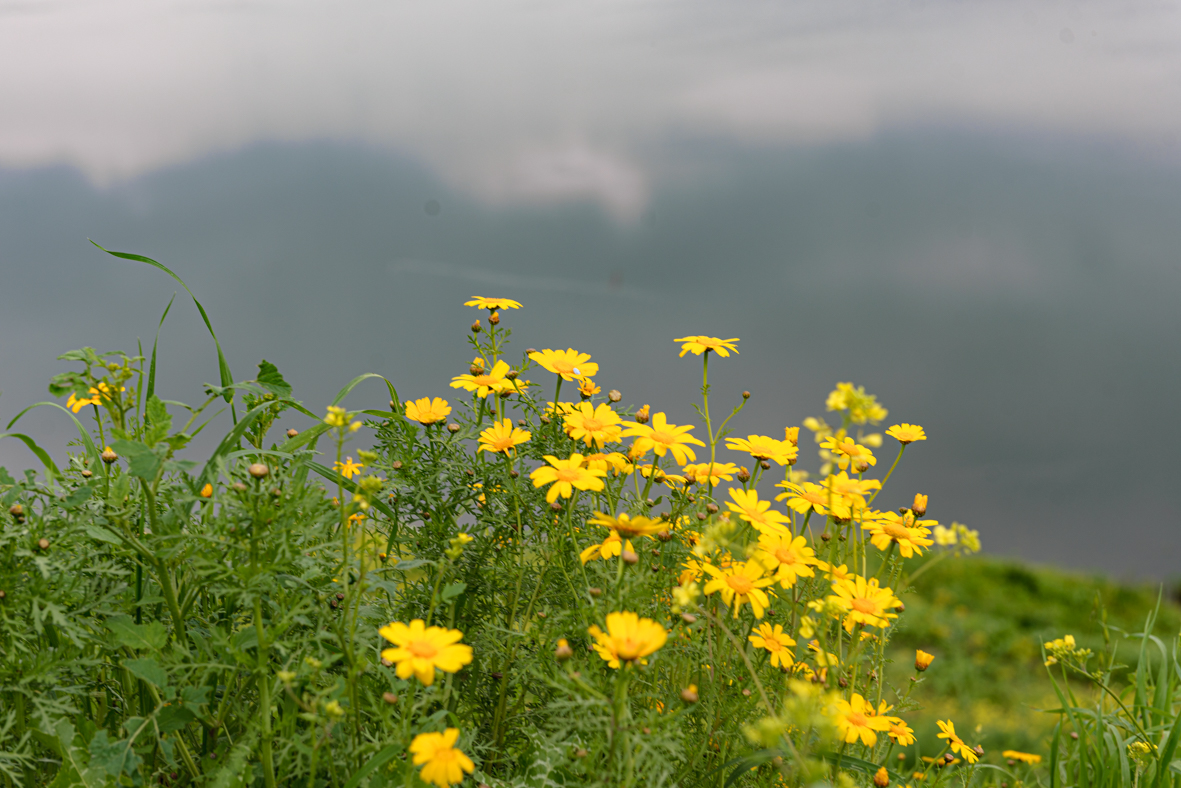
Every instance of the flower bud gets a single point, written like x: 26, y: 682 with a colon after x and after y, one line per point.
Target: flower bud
x: 792, y: 435
x: 476, y: 327
x: 453, y: 428
x: 642, y: 415
x: 3, y: 595
x: 476, y: 369
x: 240, y: 487
x: 712, y: 508
x: 259, y: 470
x: 743, y: 475
x: 396, y: 465
x: 595, y: 592
x: 563, y: 652
x: 291, y: 433
x: 689, y: 694
x: 512, y: 374
x: 746, y: 395
x: 765, y: 465
x: 109, y: 455
x: 629, y: 557
x: 881, y: 778
x: 614, y: 395
x: 16, y: 510
x: 494, y: 318
x: 689, y: 618
x: 555, y: 507
x: 389, y: 698
x: 42, y: 543
x: 922, y: 660
x: 919, y: 507
x: 86, y: 473
x: 664, y: 536
x: 207, y: 491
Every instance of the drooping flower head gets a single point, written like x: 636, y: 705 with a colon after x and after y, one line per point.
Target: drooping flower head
x: 628, y: 639
x: 566, y: 475
x: 502, y: 437
x: 701, y: 344
x: 762, y: 447
x: 443, y: 765
x: 420, y: 649
x: 740, y: 583
x: 596, y: 426
x: 609, y: 548
x: 957, y: 745
x: 711, y: 473
x: 427, y: 410
x: 662, y: 437
x: 492, y: 304
x: 569, y: 364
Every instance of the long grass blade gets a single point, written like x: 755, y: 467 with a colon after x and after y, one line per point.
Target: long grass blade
x: 50, y: 467
x: 92, y: 451
x: 151, y: 387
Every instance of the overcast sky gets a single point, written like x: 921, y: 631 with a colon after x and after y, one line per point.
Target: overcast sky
x: 969, y: 208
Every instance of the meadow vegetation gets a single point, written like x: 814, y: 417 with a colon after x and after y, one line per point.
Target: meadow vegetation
x: 518, y: 581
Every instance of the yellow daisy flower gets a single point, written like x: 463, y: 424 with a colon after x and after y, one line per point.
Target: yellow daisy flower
x: 614, y: 462
x: 764, y: 448
x: 610, y: 547
x: 907, y: 433
x: 790, y: 558
x: 848, y: 451
x: 587, y: 388
x: 570, y: 364
x: 593, y: 425
x: 565, y: 475
x: 421, y: 649
x: 662, y: 437
x: 502, y: 437
x: 494, y: 381
x: 1024, y: 757
x: 628, y: 638
x: 710, y: 472
x: 775, y: 641
x: 492, y: 304
x: 851, y: 492
x: 427, y: 410
x: 901, y: 529
x: 865, y: 602
x: 900, y: 733
x: 957, y: 745
x: 807, y: 497
x: 442, y: 764
x: 701, y: 344
x: 348, y: 469
x: 738, y: 583
x: 627, y: 526
x: 758, y: 513
x: 855, y: 720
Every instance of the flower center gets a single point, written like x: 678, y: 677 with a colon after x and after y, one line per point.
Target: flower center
x: 444, y: 754
x: 592, y: 425
x: 857, y: 720
x: 423, y: 649
x: 569, y: 474
x: 484, y: 380
x: 774, y: 645
x: 740, y: 583
x: 786, y: 555
x: 895, y: 530
x: 627, y: 649
x: 862, y: 605
x: 664, y: 437
x: 564, y: 367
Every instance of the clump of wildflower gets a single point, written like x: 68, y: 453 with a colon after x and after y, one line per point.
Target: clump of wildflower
x: 848, y: 452
x: 456, y: 545
x: 861, y: 407
x: 685, y: 596
x: 420, y: 650
x: 443, y: 765
x: 701, y: 344
x: 628, y: 639
x: 1064, y: 649
x: 337, y: 417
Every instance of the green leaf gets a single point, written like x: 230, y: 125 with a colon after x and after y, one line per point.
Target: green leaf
x: 143, y: 462
x: 50, y: 468
x: 113, y: 757
x: 102, y: 534
x: 270, y: 379
x: 146, y: 668
x: 223, y: 368
x: 194, y: 696
x: 173, y: 718
x: 78, y: 496
x: 152, y: 368
x: 158, y: 419
x: 348, y: 484
x: 150, y: 636
x: 375, y: 763
x: 453, y: 590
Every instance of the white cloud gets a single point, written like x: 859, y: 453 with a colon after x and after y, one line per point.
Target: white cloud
x: 528, y: 101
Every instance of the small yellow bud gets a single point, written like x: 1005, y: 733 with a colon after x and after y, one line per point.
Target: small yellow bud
x: 792, y: 435
x: 614, y: 395
x: 563, y: 652
x: 881, y: 778
x: 642, y: 415
x: 258, y: 470
x: 922, y: 660
x: 689, y: 694
x: 919, y: 507
x: 109, y: 455
x: 207, y: 491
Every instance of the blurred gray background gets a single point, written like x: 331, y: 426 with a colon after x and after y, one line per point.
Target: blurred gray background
x: 972, y: 209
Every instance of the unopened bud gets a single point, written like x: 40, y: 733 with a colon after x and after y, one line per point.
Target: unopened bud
x: 512, y: 374
x: 563, y: 652
x: 240, y: 487
x: 689, y: 618
x: 746, y: 693
x: 555, y: 507
x: 476, y: 369
x: 16, y: 510
x: 746, y: 395
x: 689, y: 694
x: 258, y: 470
x: 494, y: 318
x: 43, y: 543
x: 291, y: 433
x: 396, y: 465
x: 765, y: 465
x: 642, y: 415
x: 743, y: 475
x: 614, y: 395
x: 664, y: 536
x: 826, y: 536
x: 701, y: 516
x: 712, y: 508
x: 109, y: 455
x: 389, y: 698
x: 629, y: 557
x: 86, y: 473
x: 476, y: 327
x: 861, y: 466
x: 514, y: 473
x: 453, y: 428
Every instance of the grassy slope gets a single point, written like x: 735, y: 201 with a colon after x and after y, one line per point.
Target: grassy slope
x: 985, y: 620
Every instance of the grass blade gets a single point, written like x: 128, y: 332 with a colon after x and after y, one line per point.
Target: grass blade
x: 151, y: 387
x: 376, y: 762
x: 46, y: 460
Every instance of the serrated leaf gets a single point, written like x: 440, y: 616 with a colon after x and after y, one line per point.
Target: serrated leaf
x: 78, y: 496
x: 173, y: 718
x: 143, y: 463
x: 270, y: 379
x: 159, y: 421
x: 147, y: 669
x: 150, y: 636
x: 453, y: 590
x: 113, y: 757
x: 194, y: 696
